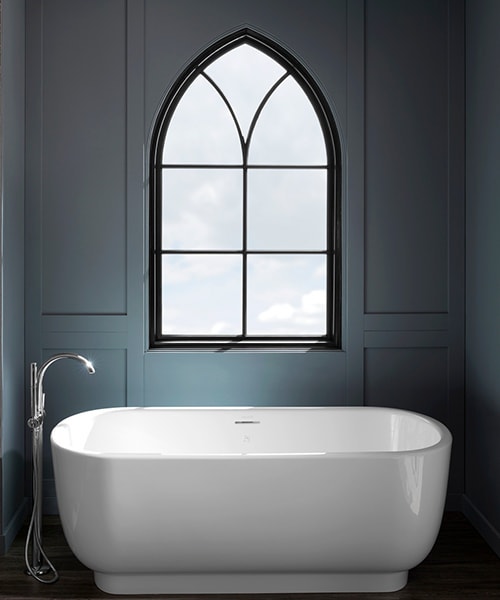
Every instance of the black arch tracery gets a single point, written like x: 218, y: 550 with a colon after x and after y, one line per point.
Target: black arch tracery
x: 293, y: 69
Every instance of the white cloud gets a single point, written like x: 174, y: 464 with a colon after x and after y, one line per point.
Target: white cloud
x: 277, y: 312
x: 221, y: 327
x: 320, y: 272
x: 204, y: 195
x: 314, y: 302
x: 306, y: 318
x: 188, y: 225
x: 198, y: 267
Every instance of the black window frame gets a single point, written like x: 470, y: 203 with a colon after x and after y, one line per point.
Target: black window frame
x: 332, y: 338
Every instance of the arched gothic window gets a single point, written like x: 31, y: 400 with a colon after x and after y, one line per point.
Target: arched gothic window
x: 245, y: 212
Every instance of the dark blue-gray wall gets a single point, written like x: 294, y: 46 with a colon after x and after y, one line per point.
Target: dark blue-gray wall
x: 97, y: 74
x: 393, y: 72
x: 482, y: 482
x: 12, y: 496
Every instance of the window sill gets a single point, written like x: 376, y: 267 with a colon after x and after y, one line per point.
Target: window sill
x: 249, y: 347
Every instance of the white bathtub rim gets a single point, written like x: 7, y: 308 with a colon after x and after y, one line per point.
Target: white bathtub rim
x: 444, y: 442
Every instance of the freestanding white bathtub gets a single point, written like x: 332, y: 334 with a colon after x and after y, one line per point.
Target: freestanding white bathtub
x: 249, y: 500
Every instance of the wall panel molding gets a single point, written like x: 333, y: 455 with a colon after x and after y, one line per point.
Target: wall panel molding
x: 84, y: 323
x: 406, y: 321
x: 137, y: 202
x: 406, y: 339
x: 103, y: 340
x: 353, y: 198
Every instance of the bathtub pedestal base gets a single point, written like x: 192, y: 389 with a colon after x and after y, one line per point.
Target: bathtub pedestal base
x: 249, y: 583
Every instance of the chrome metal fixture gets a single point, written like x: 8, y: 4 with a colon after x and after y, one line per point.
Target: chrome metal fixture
x: 40, y: 566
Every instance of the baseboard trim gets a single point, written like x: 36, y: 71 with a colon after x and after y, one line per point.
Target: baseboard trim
x: 13, y: 527
x: 490, y: 534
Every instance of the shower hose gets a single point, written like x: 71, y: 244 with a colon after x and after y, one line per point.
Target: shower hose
x: 40, y: 566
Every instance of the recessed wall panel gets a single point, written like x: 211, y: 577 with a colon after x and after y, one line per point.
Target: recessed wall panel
x: 406, y: 201
x: 408, y: 378
x: 83, y: 199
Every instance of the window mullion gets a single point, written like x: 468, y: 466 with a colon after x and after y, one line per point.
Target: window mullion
x: 244, y: 258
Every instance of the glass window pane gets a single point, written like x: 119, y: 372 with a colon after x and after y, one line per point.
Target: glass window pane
x: 202, y: 130
x: 245, y: 75
x: 288, y: 131
x: 201, y: 294
x: 202, y: 209
x: 286, y: 209
x: 286, y: 295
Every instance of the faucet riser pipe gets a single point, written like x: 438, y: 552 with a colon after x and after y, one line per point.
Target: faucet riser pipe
x: 37, y: 497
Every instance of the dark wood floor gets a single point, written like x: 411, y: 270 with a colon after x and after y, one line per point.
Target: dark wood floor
x: 460, y: 567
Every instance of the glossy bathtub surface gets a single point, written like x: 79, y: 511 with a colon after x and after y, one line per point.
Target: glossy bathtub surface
x: 241, y: 431
x: 247, y: 500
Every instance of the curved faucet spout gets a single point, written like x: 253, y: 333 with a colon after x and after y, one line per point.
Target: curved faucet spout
x: 37, y: 375
x: 53, y: 359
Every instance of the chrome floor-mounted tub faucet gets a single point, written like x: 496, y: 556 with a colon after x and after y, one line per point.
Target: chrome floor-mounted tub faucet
x: 40, y: 566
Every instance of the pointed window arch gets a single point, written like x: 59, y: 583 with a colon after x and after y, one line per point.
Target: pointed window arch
x: 245, y: 204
